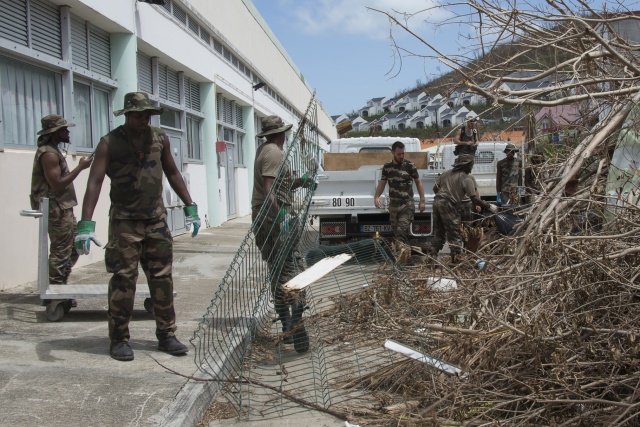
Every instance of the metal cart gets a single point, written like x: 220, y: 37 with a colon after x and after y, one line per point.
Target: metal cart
x: 61, y: 295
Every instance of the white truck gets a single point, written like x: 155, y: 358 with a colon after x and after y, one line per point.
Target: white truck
x: 343, y: 201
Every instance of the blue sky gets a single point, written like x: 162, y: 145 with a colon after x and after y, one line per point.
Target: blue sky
x: 344, y: 50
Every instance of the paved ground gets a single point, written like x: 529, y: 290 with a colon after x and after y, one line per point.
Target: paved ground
x: 60, y: 373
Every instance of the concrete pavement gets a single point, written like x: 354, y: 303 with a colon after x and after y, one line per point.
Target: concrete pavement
x: 61, y: 374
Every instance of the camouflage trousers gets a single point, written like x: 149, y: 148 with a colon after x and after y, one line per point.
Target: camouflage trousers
x: 149, y: 243
x: 400, y: 218
x: 62, y: 252
x: 447, y: 222
x: 279, y: 251
x: 509, y: 195
x: 466, y: 210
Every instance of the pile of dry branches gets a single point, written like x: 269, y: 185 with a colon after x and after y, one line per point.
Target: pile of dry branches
x: 547, y: 337
x: 548, y: 332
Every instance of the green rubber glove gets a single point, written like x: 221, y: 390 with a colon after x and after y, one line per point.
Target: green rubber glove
x: 86, y: 233
x: 191, y: 218
x: 283, y: 218
x: 307, y: 181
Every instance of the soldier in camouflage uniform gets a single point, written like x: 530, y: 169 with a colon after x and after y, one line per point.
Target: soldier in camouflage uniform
x: 134, y: 156
x: 451, y: 188
x: 467, y: 141
x: 508, y: 177
x: 277, y: 230
x: 51, y: 178
x: 400, y: 174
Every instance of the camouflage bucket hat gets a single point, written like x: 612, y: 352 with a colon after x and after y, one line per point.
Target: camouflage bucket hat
x: 464, y: 159
x: 137, y: 101
x: 510, y: 147
x: 273, y: 124
x: 52, y: 123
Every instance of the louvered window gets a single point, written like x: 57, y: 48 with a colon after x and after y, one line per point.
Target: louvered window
x: 90, y: 47
x: 79, y: 46
x: 173, y: 86
x: 217, y: 46
x: 195, y: 96
x: 13, y: 21
x: 227, y: 114
x: 180, y: 14
x: 193, y: 25
x: 162, y: 81
x: 145, y: 75
x: 239, y: 120
x: 205, y: 36
x: 46, y: 35
x: 230, y: 115
x: 99, y: 51
x: 191, y: 94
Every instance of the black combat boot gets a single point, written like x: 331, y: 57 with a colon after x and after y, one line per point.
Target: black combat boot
x: 121, y: 350
x: 300, y: 337
x: 172, y: 346
x: 284, y: 316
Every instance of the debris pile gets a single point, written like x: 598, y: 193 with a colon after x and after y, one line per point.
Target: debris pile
x: 545, y: 334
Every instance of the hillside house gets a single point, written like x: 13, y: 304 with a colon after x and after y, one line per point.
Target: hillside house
x: 340, y: 119
x: 558, y: 121
x: 374, y: 106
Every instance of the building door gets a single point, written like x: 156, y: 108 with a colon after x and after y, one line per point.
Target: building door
x: 231, y: 184
x: 175, y: 213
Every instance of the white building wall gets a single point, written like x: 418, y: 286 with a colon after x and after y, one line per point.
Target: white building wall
x: 238, y: 25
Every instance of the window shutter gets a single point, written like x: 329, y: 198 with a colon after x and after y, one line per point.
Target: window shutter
x: 100, y: 51
x: 46, y: 35
x: 13, y: 21
x: 187, y: 92
x: 228, y: 112
x: 180, y: 14
x: 145, y: 76
x: 205, y: 36
x: 239, y: 120
x: 79, y: 52
x: 195, y: 95
x: 193, y: 25
x: 173, y: 86
x: 162, y: 80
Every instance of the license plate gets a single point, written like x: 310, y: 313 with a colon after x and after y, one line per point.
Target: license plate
x: 374, y: 228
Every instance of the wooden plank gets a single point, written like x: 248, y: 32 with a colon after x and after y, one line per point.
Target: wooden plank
x: 445, y: 367
x: 316, y: 272
x: 354, y: 161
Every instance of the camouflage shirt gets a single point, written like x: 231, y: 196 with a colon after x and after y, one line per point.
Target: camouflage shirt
x: 400, y: 179
x: 509, y: 174
x: 136, y: 178
x: 455, y: 186
x: 65, y: 198
x: 268, y: 163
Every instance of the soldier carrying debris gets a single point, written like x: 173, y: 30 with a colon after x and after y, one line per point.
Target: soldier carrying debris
x: 451, y: 188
